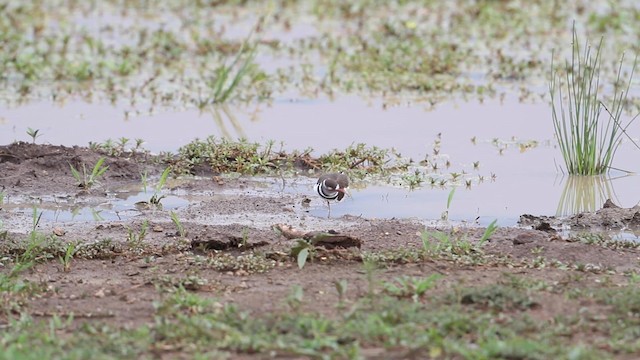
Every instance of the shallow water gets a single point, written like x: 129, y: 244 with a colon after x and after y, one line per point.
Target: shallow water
x: 518, y: 160
x: 118, y: 206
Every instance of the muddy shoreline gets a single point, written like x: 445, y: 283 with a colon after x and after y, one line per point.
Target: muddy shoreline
x: 226, y: 246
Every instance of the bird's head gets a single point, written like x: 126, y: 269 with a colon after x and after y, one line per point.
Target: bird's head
x: 332, y: 185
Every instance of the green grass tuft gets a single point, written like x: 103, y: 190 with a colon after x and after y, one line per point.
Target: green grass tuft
x: 588, y: 138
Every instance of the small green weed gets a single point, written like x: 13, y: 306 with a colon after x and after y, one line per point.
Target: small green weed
x: 411, y: 287
x: 13, y: 290
x: 144, y: 179
x: 87, y: 180
x: 491, y: 228
x: 34, y: 134
x: 460, y: 248
x: 182, y: 301
x: 178, y: 224
x: 302, y: 251
x: 156, y: 197
x: 135, y: 239
x: 360, y: 160
x: 65, y: 259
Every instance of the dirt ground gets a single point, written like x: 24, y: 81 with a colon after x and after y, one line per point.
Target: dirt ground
x: 118, y: 283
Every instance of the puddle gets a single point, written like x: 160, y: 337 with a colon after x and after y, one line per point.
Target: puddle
x: 118, y: 206
x: 508, y: 140
x: 480, y: 205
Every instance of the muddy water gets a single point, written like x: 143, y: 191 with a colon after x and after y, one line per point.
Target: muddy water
x: 518, y: 161
x: 117, y: 206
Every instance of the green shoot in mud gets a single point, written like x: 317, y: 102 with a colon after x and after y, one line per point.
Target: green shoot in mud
x: 135, y: 239
x: 65, y: 259
x: 156, y: 197
x: 34, y: 134
x: 176, y: 221
x: 144, y: 179
x: 119, y: 147
x: 491, y: 228
x: 588, y: 139
x: 410, y: 287
x: 454, y: 246
x: 87, y: 180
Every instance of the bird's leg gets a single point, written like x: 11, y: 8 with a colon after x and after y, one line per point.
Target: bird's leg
x: 329, y: 205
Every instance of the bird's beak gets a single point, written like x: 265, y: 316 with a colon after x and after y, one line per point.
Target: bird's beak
x: 344, y: 191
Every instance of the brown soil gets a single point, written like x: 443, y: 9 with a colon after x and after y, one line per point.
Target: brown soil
x: 120, y: 287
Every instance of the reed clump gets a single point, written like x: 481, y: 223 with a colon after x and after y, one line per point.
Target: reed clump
x: 588, y: 136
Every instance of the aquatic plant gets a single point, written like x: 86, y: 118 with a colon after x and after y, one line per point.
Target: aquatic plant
x: 588, y: 139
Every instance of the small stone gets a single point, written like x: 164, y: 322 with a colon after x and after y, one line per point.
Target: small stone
x: 218, y: 180
x: 100, y: 293
x: 58, y: 231
x: 525, y: 238
x: 157, y: 228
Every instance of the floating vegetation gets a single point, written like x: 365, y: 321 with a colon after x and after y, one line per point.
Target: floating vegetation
x: 196, y: 54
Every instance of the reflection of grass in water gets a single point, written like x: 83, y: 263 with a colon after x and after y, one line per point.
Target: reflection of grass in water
x: 222, y: 112
x: 584, y: 193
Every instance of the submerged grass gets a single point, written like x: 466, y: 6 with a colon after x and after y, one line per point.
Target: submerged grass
x: 423, y: 50
x: 588, y: 139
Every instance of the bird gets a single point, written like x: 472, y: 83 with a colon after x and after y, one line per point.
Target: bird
x: 332, y: 186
